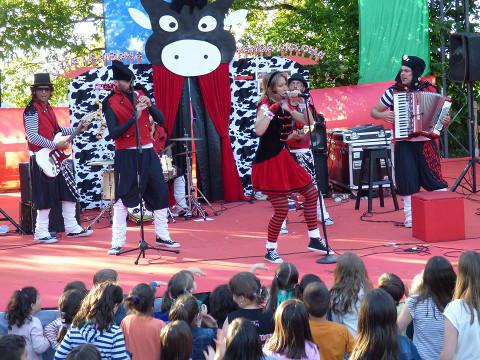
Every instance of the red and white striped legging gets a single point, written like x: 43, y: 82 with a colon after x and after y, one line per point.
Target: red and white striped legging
x: 280, y: 208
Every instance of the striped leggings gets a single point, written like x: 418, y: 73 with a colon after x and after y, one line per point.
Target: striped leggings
x: 280, y: 210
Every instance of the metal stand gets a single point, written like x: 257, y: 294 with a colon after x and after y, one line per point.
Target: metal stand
x: 111, y: 199
x: 8, y: 218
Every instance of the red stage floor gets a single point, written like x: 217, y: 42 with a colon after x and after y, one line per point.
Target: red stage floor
x: 230, y: 243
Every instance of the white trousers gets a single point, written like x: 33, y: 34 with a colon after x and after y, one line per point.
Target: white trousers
x: 69, y: 221
x: 119, y: 226
x: 407, y: 206
x: 179, y: 191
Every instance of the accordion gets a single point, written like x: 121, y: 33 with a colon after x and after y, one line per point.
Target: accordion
x: 419, y: 113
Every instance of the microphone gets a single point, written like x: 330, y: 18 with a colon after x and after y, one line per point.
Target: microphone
x: 294, y: 94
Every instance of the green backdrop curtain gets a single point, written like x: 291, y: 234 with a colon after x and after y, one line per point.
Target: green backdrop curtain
x: 389, y: 29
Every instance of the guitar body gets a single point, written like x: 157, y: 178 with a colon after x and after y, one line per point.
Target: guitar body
x: 49, y: 160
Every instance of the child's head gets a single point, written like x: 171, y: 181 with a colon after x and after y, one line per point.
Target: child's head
x: 105, y: 275
x: 76, y: 285
x: 308, y: 279
x: 438, y: 281
x: 350, y: 277
x: 221, y: 303
x: 185, y: 308
x: 468, y: 281
x: 181, y: 283
x: 141, y: 299
x: 22, y: 304
x: 393, y: 285
x: 377, y: 327
x: 84, y: 352
x: 316, y: 298
x: 100, y: 305
x: 247, y: 289
x: 176, y: 341
x: 13, y: 347
x: 292, y: 330
x: 284, y: 285
x: 69, y: 305
x: 243, y: 342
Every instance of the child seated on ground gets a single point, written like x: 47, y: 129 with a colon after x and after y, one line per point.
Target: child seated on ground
x: 284, y: 286
x: 13, y: 347
x: 333, y: 340
x: 176, y: 341
x: 21, y: 308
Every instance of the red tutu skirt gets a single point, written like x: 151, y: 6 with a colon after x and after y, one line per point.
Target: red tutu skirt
x: 279, y: 175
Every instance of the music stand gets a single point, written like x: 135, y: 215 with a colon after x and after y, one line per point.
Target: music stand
x: 143, y: 246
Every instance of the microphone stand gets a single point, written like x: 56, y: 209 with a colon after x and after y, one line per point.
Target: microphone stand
x: 142, y: 244
x: 328, y: 258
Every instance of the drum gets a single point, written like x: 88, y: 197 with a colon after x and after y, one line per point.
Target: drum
x: 169, y: 170
x: 134, y: 214
x: 108, y: 185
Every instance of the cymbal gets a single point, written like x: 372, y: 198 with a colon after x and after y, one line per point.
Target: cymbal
x: 185, y: 153
x: 185, y: 139
x: 100, y: 163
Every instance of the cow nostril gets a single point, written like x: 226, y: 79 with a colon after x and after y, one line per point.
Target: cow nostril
x: 205, y: 56
x: 176, y: 57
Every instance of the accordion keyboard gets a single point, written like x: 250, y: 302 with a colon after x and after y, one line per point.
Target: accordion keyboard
x: 402, y: 115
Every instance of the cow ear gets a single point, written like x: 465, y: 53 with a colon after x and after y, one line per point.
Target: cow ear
x: 154, y: 6
x: 140, y: 18
x: 236, y: 17
x: 223, y: 4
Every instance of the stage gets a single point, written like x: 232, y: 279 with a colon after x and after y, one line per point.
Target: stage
x: 231, y: 242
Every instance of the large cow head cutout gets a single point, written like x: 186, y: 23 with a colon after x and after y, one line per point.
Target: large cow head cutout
x: 191, y: 41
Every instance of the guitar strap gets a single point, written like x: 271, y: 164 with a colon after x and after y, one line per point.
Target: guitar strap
x: 67, y: 173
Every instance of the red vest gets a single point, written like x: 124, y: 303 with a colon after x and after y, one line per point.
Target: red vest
x: 123, y: 110
x: 47, y: 122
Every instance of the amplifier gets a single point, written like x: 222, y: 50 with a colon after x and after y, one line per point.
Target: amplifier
x: 345, y: 160
x: 25, y: 182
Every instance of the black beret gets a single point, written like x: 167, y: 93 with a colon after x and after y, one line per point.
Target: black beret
x: 415, y: 63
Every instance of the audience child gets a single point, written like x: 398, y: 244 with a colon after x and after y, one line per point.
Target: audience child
x: 350, y: 284
x: 76, y: 285
x: 425, y: 308
x: 378, y: 336
x: 21, y: 308
x: 242, y: 343
x: 181, y: 283
x: 176, y: 341
x: 249, y: 295
x: 333, y: 340
x: 305, y: 281
x: 13, y: 347
x: 292, y: 338
x: 68, y: 305
x: 140, y: 328
x: 284, y: 286
x: 84, y: 352
x: 393, y: 285
x: 462, y: 315
x: 105, y: 275
x: 187, y: 308
x: 221, y: 303
x: 94, y: 324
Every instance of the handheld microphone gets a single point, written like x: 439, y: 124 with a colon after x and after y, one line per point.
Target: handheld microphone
x: 294, y: 94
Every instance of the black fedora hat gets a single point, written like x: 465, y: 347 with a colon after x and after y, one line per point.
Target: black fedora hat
x: 298, y: 77
x: 41, y: 79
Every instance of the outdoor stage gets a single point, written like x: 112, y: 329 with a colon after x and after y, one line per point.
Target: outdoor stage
x: 230, y: 243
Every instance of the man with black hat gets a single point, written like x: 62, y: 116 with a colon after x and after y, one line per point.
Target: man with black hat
x: 119, y: 108
x: 41, y: 126
x: 299, y: 142
x: 417, y: 159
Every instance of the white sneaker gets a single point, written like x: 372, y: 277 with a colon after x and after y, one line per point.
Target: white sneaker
x: 407, y: 223
x: 46, y: 240
x: 328, y: 221
x: 283, y: 229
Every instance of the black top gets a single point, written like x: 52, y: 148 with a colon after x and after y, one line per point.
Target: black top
x: 262, y: 319
x: 275, y: 137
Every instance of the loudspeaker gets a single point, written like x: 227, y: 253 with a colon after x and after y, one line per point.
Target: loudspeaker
x: 25, y: 182
x: 28, y: 217
x: 321, y: 168
x: 464, y: 55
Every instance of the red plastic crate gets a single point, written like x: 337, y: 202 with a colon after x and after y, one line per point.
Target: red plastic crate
x: 438, y: 216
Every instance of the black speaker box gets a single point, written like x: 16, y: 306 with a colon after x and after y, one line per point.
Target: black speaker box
x: 28, y: 218
x: 321, y: 168
x: 25, y: 182
x: 464, y: 57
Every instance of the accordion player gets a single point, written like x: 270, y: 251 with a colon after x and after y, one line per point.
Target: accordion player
x: 419, y: 113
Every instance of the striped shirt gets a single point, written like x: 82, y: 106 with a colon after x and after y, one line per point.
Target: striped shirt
x: 428, y: 325
x: 31, y: 129
x: 387, y: 98
x: 110, y: 343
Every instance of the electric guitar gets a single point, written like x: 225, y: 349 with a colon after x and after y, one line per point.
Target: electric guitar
x: 49, y: 160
